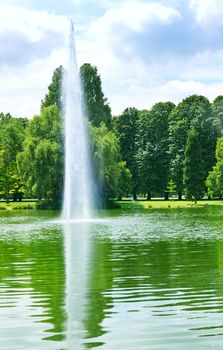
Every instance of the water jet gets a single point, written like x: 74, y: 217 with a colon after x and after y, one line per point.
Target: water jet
x: 77, y: 202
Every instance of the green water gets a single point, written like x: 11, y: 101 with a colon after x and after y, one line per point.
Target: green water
x: 134, y: 280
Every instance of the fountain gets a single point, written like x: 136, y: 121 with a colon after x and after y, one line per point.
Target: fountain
x: 77, y: 201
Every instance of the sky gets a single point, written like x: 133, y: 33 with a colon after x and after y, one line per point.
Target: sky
x: 145, y: 51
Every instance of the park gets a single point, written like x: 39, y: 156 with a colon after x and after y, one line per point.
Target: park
x: 111, y: 225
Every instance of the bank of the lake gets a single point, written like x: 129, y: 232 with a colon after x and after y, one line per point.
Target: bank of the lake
x: 127, y: 204
x: 18, y: 205
x: 161, y: 204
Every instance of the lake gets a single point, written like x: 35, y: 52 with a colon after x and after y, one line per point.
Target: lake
x: 129, y: 280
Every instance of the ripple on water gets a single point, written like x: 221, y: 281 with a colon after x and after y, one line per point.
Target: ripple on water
x: 152, y: 281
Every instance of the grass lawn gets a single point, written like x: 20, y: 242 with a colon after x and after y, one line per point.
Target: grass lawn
x: 17, y: 205
x: 159, y: 204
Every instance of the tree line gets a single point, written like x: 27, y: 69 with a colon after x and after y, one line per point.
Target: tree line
x: 172, y: 146
x: 167, y: 149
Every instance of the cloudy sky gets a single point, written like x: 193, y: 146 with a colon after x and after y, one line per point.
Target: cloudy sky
x: 146, y: 51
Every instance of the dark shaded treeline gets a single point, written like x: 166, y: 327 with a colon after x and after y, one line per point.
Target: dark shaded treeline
x: 171, y: 145
x: 138, y: 152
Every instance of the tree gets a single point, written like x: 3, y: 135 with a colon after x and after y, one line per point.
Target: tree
x: 54, y: 95
x: 109, y: 171
x: 153, y: 145
x: 217, y: 108
x: 171, y: 187
x: 41, y: 162
x: 193, y: 167
x: 193, y: 112
x: 96, y: 106
x: 126, y: 128
x: 214, y: 181
x: 12, y: 133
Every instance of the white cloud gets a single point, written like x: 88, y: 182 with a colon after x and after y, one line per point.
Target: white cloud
x: 35, y: 49
x: 134, y: 15
x: 98, y: 44
x: 208, y: 11
x: 173, y: 90
x: 21, y: 90
x: 31, y: 23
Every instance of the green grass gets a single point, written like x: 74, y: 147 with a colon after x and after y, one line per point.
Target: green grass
x: 161, y: 204
x: 17, y: 205
x: 128, y: 203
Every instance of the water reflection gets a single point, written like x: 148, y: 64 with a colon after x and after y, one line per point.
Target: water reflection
x: 32, y: 285
x: 77, y: 253
x: 133, y: 282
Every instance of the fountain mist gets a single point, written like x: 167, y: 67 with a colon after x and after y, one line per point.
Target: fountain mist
x: 77, y: 187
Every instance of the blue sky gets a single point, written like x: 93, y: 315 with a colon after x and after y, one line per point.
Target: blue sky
x: 146, y: 51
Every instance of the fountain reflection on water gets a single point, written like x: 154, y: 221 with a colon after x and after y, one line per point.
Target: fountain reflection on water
x: 76, y: 255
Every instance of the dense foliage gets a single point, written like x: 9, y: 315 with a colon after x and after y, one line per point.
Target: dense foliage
x: 193, y: 167
x: 152, y: 156
x: 214, y: 180
x: 126, y: 128
x: 41, y: 162
x: 12, y: 133
x: 96, y: 106
x: 193, y: 112
x: 54, y: 94
x: 112, y: 178
x: 165, y: 150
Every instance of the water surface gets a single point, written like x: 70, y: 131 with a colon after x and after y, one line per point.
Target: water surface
x: 133, y: 280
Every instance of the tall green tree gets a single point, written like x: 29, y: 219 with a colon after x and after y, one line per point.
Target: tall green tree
x: 153, y: 146
x: 54, y: 94
x: 95, y: 104
x: 41, y: 162
x: 193, y: 167
x: 193, y: 112
x: 126, y: 128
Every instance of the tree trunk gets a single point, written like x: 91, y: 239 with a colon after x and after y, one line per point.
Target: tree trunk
x: 166, y: 196
x: 149, y: 196
x: 134, y: 196
x: 179, y: 195
x: 20, y: 196
x: 15, y: 197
